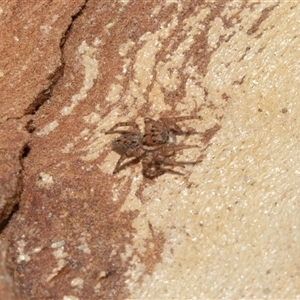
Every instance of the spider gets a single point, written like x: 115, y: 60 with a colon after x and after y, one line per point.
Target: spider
x: 154, y: 149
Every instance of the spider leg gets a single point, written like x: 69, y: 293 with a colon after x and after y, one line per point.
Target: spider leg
x: 125, y: 165
x: 120, y: 160
x: 120, y: 124
x: 173, y: 162
x: 159, y: 153
x: 171, y: 123
x: 153, y: 169
x: 164, y: 158
x: 172, y: 148
x: 152, y: 173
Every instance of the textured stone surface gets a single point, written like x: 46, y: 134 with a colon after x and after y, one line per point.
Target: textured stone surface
x: 229, y: 227
x: 31, y: 35
x: 31, y: 61
x: 8, y: 290
x: 13, y: 138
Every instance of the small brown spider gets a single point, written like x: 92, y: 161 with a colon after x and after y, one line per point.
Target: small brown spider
x: 154, y: 149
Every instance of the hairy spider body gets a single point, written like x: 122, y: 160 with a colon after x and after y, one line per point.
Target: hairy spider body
x: 127, y: 145
x: 154, y: 149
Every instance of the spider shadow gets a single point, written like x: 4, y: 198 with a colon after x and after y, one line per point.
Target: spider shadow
x: 129, y: 163
x: 186, y: 134
x: 162, y: 170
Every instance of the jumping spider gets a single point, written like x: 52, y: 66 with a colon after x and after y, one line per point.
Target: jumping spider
x: 154, y: 148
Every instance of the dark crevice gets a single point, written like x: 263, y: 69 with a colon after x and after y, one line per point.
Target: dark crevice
x: 25, y: 152
x: 74, y: 17
x: 29, y: 126
x: 45, y: 94
x: 5, y: 222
